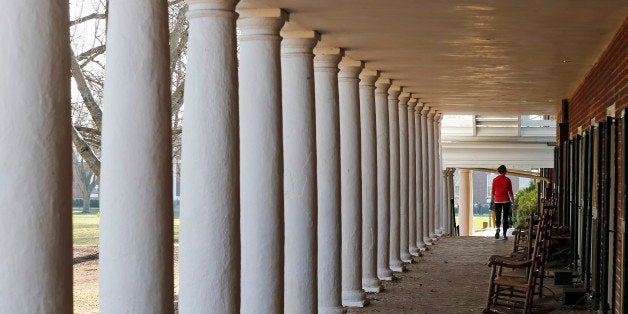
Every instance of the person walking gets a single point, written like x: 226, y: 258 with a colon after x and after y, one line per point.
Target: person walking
x: 501, y: 200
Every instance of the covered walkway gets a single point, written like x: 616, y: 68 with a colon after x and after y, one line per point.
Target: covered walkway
x: 452, y: 277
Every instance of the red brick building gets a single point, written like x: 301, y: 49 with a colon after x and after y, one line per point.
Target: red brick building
x: 591, y: 173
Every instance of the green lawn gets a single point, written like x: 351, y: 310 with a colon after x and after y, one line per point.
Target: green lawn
x: 477, y: 222
x: 85, y: 228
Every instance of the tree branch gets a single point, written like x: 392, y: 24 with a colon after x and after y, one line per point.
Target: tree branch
x: 86, y: 151
x: 85, y: 91
x: 87, y: 18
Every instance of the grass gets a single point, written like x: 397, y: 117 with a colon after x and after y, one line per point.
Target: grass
x: 478, y: 222
x: 85, y: 229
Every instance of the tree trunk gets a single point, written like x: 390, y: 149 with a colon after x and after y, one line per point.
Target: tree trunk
x: 86, y: 200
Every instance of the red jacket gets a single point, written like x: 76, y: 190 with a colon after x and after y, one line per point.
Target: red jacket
x: 501, y: 189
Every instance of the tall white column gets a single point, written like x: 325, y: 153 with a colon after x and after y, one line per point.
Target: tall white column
x: 431, y: 174
x: 412, y: 181
x: 327, y: 170
x: 370, y: 282
x: 426, y: 178
x: 209, y: 241
x: 404, y: 249
x: 35, y: 157
x: 419, y: 171
x: 465, y: 209
x: 439, y: 171
x: 393, y: 127
x: 136, y: 225
x: 383, y: 179
x: 437, y: 179
x: 299, y: 147
x: 350, y: 183
x: 261, y: 162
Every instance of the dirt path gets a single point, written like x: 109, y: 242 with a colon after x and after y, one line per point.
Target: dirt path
x: 452, y: 277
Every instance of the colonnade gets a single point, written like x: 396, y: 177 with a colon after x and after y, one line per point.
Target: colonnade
x: 308, y: 178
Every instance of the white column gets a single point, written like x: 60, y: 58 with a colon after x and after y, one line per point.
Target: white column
x: 350, y: 183
x: 465, y: 209
x: 426, y: 178
x: 431, y: 174
x: 209, y: 241
x: 136, y: 225
x: 393, y: 127
x: 441, y: 178
x: 419, y: 171
x: 383, y: 179
x: 437, y: 179
x: 370, y: 282
x: 35, y: 158
x: 412, y: 192
x: 299, y: 147
x: 261, y: 162
x: 327, y: 170
x: 404, y: 249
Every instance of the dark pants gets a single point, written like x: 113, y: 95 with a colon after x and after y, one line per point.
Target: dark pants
x: 499, y: 207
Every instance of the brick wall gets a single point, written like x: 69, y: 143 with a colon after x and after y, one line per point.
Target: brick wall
x: 606, y: 85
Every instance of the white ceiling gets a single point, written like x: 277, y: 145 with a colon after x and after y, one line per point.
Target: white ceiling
x: 468, y: 57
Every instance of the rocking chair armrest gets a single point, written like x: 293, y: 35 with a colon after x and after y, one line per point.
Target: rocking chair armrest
x: 509, y: 262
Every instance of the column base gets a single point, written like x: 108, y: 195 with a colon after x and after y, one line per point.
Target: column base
x: 421, y: 245
x: 373, y: 289
x: 372, y: 285
x: 354, y: 298
x: 414, y: 251
x: 427, y: 241
x: 385, y: 274
x: 397, y: 267
x: 406, y: 258
x: 332, y: 310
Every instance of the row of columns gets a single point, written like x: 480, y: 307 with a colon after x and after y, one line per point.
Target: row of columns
x: 307, y: 179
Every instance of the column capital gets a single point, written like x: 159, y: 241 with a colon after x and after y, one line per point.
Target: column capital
x: 393, y: 92
x: 257, y: 23
x: 368, y: 77
x: 327, y: 58
x: 412, y: 103
x: 425, y: 110
x: 431, y: 113
x: 298, y: 42
x: 419, y: 107
x: 349, y: 68
x: 381, y: 85
x: 207, y: 8
x: 404, y: 98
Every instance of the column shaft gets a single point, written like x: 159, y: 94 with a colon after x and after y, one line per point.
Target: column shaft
x: 350, y: 183
x: 426, y: 178
x: 404, y: 250
x: 327, y: 169
x: 383, y: 179
x: 438, y: 177
x: 393, y: 123
x: 412, y: 181
x: 136, y: 226
x: 370, y: 282
x: 420, y: 170
x: 431, y: 175
x: 35, y: 157
x: 261, y: 162
x: 299, y: 147
x: 465, y: 209
x: 209, y: 244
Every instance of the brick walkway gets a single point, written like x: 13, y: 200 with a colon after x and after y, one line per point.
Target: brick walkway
x: 452, y: 277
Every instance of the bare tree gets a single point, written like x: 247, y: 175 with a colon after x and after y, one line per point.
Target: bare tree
x: 86, y: 180
x: 88, y: 39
